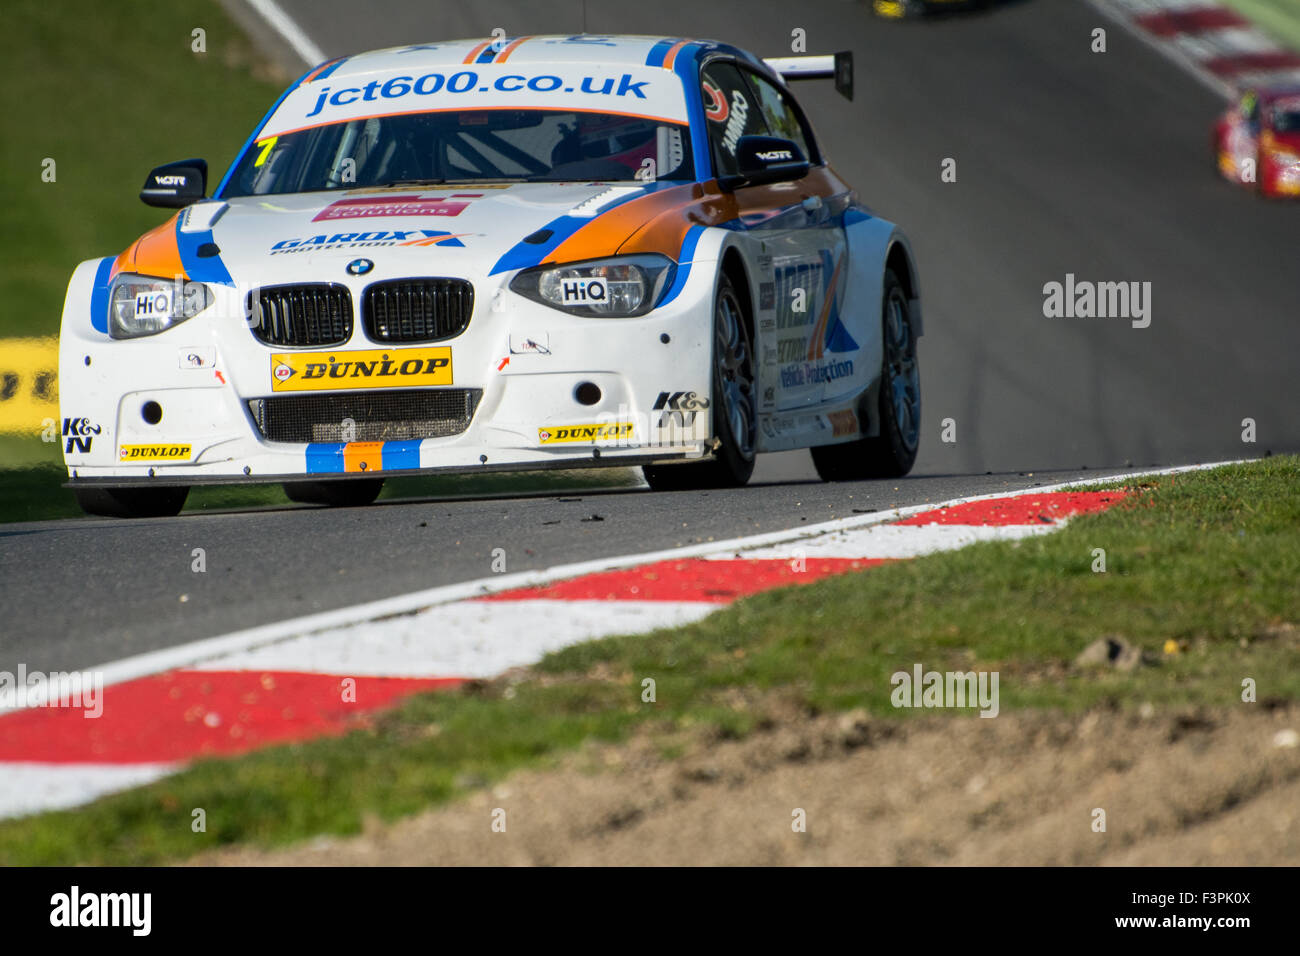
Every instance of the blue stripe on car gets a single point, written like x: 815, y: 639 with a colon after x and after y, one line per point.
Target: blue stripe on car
x: 526, y: 254
x: 99, y: 296
x: 330, y: 69
x: 684, y: 259
x: 200, y: 268
x: 658, y: 52
x: 686, y: 66
x: 324, y: 458
x: 225, y: 180
x: 400, y: 454
x: 327, y: 457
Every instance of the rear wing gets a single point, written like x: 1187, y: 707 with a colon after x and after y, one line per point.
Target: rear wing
x: 839, y: 66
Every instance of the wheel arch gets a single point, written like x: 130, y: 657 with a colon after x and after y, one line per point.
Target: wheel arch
x: 733, y: 267
x: 900, y: 260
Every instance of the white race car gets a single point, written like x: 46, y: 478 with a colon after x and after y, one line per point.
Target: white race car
x: 522, y: 253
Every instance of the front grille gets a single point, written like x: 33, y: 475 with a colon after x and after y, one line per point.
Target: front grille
x: 417, y: 310
x: 309, y: 315
x: 366, y: 416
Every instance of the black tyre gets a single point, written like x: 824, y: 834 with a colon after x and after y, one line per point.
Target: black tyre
x: 131, y: 502
x: 893, y: 452
x: 348, y: 493
x: 734, y: 405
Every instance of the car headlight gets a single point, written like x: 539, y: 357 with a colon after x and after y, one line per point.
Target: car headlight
x: 621, y: 287
x: 1284, y: 157
x: 145, y: 305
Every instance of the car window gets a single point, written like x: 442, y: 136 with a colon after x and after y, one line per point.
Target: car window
x: 466, y: 146
x: 779, y: 113
x: 1286, y: 115
x: 730, y: 112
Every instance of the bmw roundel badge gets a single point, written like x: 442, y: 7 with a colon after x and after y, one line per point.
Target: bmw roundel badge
x: 359, y: 267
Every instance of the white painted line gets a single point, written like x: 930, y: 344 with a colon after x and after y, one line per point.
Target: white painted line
x: 195, y: 652
x: 465, y: 639
x: 890, y: 541
x: 1238, y: 41
x: 38, y: 787
x: 1167, y: 50
x: 289, y: 30
x: 1269, y: 77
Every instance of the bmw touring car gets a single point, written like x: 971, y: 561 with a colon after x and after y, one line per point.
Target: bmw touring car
x: 472, y: 256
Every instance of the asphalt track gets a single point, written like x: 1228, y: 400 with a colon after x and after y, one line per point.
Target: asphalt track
x: 1067, y: 161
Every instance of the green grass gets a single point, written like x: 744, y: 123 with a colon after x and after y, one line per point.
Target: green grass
x: 108, y: 91
x: 1208, y: 560
x: 1278, y: 17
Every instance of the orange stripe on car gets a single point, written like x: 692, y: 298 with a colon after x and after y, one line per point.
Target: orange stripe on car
x: 659, y: 221
x: 153, y: 254
x: 316, y: 72
x: 609, y: 230
x: 817, y: 338
x: 672, y: 53
x: 473, y: 54
x: 505, y: 54
x: 363, y: 456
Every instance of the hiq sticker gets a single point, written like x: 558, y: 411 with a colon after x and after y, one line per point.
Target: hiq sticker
x: 152, y: 303
x: 583, y: 290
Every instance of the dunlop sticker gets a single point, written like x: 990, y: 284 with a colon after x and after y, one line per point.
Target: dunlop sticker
x: 29, y: 372
x: 154, y: 453
x: 374, y: 368
x: 843, y: 423
x: 609, y: 431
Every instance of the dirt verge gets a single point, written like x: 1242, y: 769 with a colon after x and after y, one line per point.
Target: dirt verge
x: 1184, y: 788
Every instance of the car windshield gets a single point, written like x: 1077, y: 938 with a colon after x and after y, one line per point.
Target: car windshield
x: 1286, y: 117
x: 433, y: 148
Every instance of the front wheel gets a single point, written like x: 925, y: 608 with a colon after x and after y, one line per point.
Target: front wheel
x: 352, y: 493
x: 131, y: 502
x: 892, y: 453
x: 735, y: 406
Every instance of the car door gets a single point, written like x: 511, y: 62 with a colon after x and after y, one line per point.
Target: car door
x: 786, y: 263
x: 824, y: 342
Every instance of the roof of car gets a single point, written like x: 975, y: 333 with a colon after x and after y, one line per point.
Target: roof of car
x: 523, y: 51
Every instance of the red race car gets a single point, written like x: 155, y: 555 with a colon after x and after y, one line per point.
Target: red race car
x: 1257, y: 141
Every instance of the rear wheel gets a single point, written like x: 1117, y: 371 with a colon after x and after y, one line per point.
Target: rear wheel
x: 893, y: 452
x: 734, y: 406
x: 131, y: 502
x: 354, y: 493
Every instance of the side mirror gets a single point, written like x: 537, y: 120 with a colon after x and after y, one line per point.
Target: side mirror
x: 176, y: 185
x: 762, y: 160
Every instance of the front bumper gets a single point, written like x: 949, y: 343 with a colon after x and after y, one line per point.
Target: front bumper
x: 174, y: 408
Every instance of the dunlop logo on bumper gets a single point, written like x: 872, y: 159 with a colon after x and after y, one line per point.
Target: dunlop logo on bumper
x: 375, y: 368
x: 610, y: 431
x: 154, y: 453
